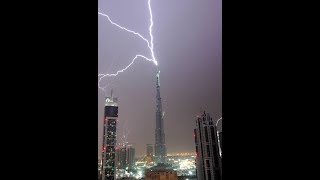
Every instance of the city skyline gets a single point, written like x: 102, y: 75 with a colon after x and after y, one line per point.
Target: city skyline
x: 187, y: 44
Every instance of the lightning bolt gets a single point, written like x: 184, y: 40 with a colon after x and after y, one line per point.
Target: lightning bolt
x: 125, y: 135
x: 121, y: 27
x: 151, y: 37
x: 149, y: 43
x: 101, y: 76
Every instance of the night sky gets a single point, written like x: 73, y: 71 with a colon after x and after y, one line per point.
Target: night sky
x: 187, y: 45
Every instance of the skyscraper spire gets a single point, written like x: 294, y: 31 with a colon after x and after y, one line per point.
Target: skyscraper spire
x: 158, y: 78
x: 160, y: 144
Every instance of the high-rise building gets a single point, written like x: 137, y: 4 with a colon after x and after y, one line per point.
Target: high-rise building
x: 130, y: 158
x: 208, y: 160
x: 123, y: 157
x: 109, y: 138
x: 117, y: 158
x: 160, y: 143
x: 149, y: 153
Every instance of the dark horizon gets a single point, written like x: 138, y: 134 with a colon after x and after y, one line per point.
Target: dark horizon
x: 188, y: 46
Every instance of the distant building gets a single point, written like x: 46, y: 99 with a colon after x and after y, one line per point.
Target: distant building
x: 160, y: 172
x: 208, y: 160
x: 109, y: 138
x: 117, y: 157
x: 123, y: 157
x: 149, y: 153
x: 130, y: 158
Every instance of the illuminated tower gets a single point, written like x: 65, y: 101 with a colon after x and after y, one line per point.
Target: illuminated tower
x: 160, y: 145
x: 208, y: 161
x: 109, y: 138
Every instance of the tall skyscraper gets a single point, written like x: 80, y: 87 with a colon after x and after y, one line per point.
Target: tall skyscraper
x: 130, y: 158
x: 208, y: 160
x: 160, y: 143
x: 109, y: 138
x: 149, y: 153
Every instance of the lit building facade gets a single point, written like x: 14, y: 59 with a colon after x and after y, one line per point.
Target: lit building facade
x: 208, y: 160
x: 109, y: 138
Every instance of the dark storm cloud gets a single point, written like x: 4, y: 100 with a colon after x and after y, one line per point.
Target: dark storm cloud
x: 187, y: 44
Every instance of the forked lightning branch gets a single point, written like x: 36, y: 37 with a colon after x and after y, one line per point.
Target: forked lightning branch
x: 149, y: 44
